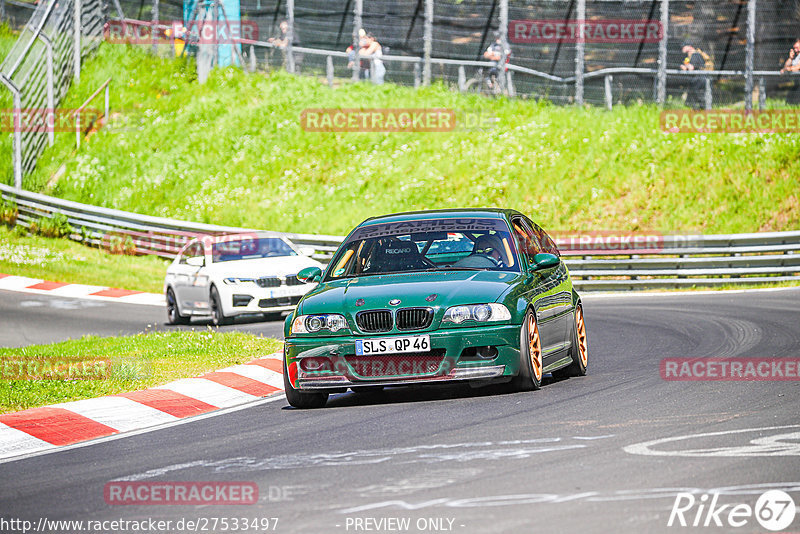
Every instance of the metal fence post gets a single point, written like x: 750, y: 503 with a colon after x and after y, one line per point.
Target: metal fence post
x: 290, y: 36
x: 417, y: 75
x: 579, y: 51
x: 762, y: 93
x: 329, y: 70
x: 748, y: 61
x: 252, y: 58
x: 504, y: 42
x: 708, y: 96
x: 661, y: 93
x: 153, y: 30
x: 76, y: 45
x: 357, y: 11
x: 17, y: 138
x: 427, y: 43
x: 462, y: 79
x: 607, y: 87
x: 50, y: 102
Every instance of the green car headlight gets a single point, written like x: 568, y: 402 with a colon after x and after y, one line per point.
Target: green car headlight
x: 311, y: 324
x: 482, y: 313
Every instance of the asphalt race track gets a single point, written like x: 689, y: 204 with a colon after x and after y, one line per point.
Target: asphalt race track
x: 568, y: 458
x: 32, y: 319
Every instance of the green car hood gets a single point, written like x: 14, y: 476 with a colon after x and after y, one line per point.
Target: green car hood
x: 452, y: 288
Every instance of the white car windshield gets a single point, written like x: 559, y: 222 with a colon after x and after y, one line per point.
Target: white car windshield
x: 250, y: 248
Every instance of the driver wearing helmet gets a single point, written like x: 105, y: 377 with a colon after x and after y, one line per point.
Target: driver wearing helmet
x: 491, y: 247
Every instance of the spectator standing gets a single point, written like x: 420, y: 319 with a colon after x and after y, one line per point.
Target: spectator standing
x: 372, y: 52
x: 495, y: 53
x: 351, y: 54
x: 792, y: 64
x: 282, y: 39
x: 694, y: 61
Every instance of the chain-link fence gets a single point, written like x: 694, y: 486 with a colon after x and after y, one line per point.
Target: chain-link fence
x: 618, y: 70
x: 15, y: 13
x: 744, y: 44
x: 40, y: 67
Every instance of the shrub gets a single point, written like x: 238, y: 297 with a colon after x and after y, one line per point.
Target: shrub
x: 55, y: 226
x: 8, y: 212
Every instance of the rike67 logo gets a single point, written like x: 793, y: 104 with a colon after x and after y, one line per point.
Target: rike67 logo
x: 774, y: 510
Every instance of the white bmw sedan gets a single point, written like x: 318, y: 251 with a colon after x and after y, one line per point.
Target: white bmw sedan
x: 224, y: 276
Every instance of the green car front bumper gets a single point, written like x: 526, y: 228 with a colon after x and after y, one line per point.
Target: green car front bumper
x: 469, y: 353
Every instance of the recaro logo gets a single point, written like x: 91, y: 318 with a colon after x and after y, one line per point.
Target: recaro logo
x: 774, y: 510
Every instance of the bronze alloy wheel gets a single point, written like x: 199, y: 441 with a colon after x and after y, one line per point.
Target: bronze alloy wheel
x: 581, y: 331
x: 534, y: 348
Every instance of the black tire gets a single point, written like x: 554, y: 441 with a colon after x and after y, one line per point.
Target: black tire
x: 366, y: 390
x: 173, y: 313
x: 579, y: 350
x: 217, y: 314
x: 531, y: 369
x: 301, y: 399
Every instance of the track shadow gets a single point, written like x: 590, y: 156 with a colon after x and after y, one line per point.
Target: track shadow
x: 423, y: 393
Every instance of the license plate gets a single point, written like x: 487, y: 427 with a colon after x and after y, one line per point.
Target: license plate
x: 287, y: 292
x: 393, y: 345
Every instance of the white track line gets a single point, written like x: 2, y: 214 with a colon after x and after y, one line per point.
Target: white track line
x: 689, y: 293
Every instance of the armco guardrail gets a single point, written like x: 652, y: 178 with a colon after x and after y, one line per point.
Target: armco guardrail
x: 132, y: 232
x: 672, y: 261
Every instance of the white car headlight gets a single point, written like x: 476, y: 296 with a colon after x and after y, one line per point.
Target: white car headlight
x: 311, y: 324
x: 482, y: 313
x: 231, y: 281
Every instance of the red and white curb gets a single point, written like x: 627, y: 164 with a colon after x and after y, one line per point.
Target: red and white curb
x: 40, y: 429
x: 43, y: 287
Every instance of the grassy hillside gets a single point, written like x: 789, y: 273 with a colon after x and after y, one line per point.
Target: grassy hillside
x: 232, y: 152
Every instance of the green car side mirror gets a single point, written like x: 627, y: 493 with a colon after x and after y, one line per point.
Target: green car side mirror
x: 309, y: 275
x: 544, y: 261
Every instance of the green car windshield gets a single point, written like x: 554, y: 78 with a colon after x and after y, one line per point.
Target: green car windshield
x: 426, y: 245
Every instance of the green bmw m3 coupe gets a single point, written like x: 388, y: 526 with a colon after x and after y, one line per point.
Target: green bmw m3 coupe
x: 431, y: 297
